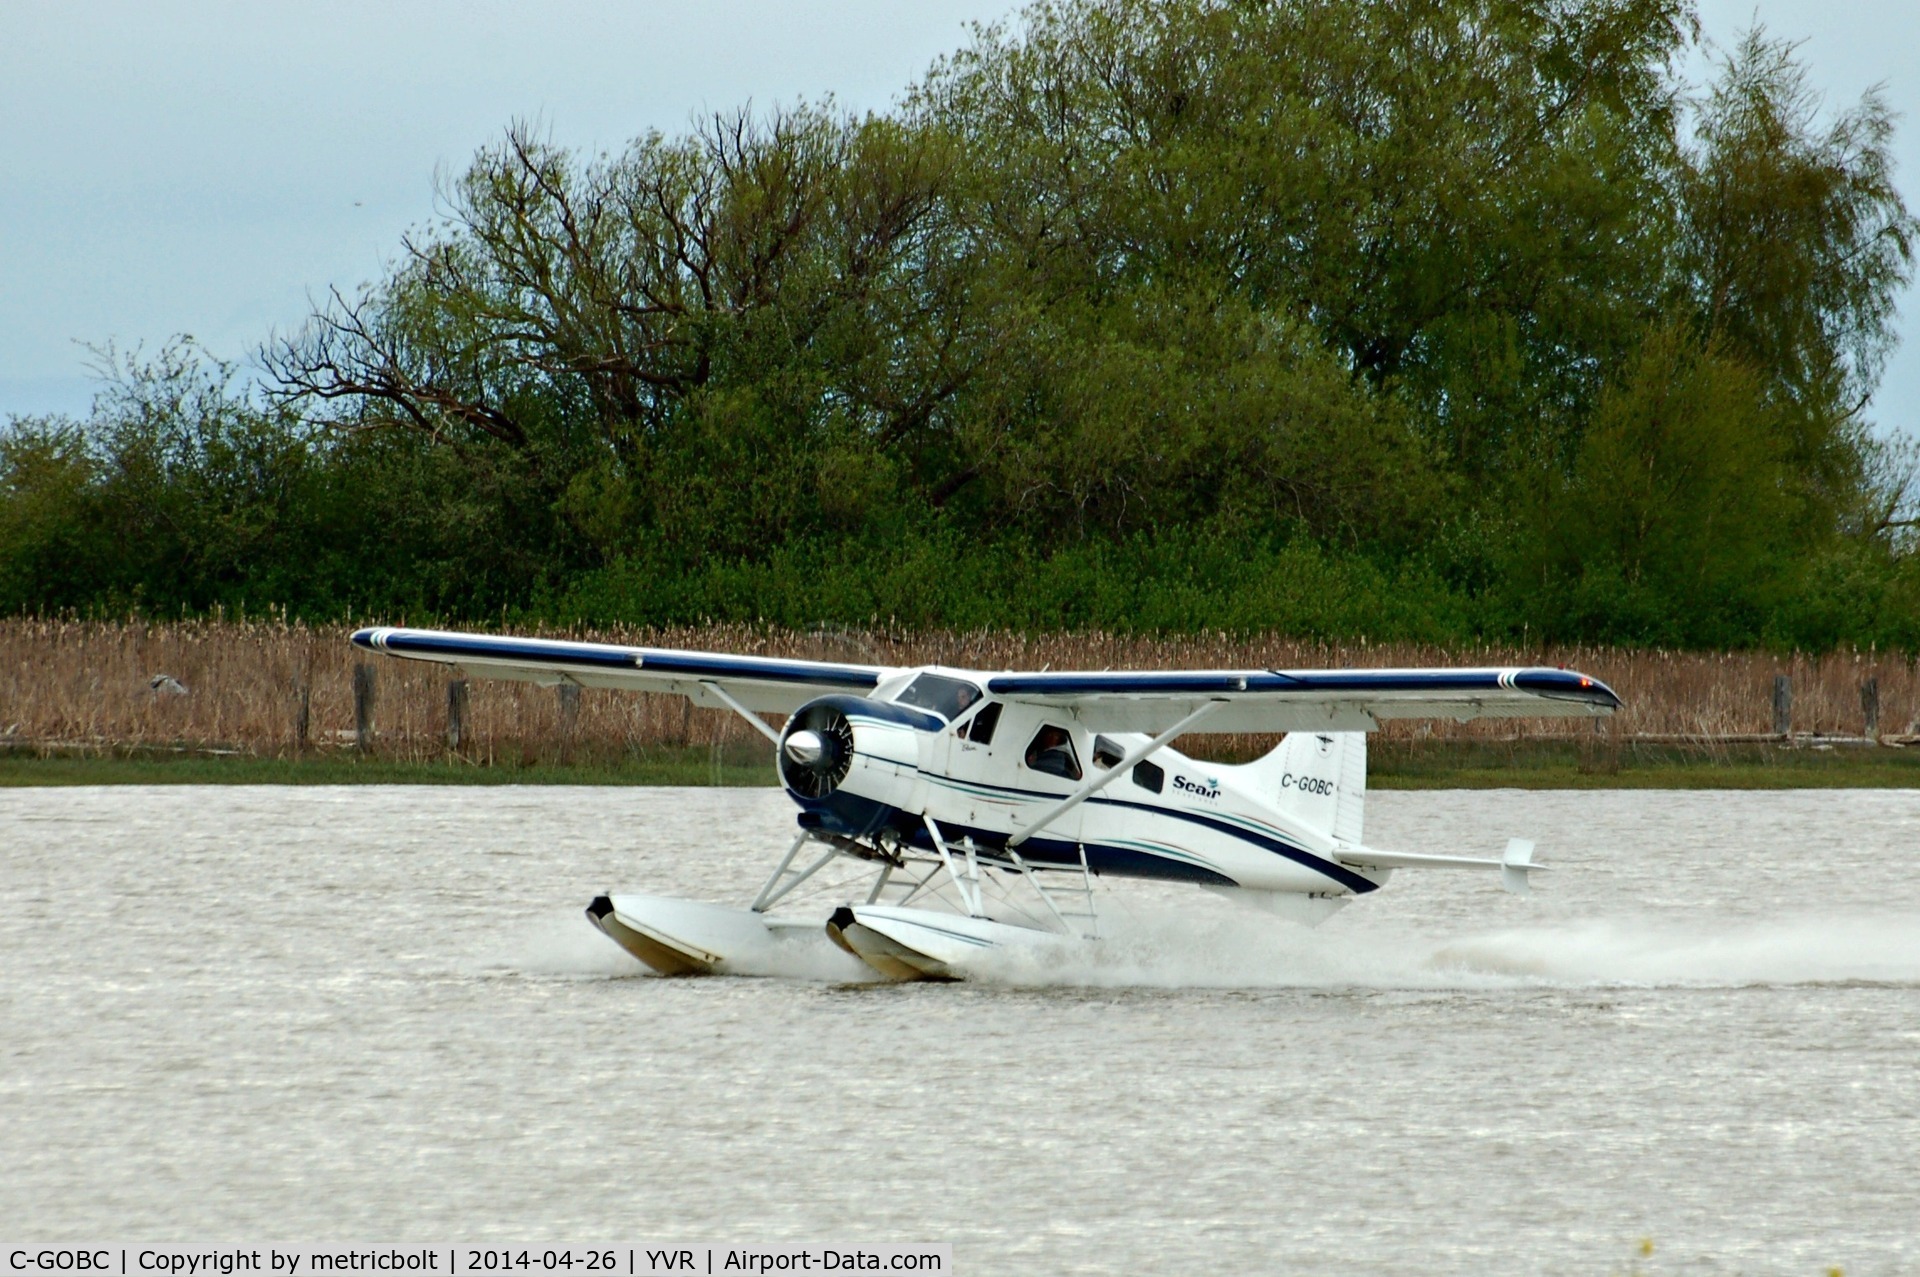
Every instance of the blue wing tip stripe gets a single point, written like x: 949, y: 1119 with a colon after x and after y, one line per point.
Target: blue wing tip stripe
x: 1565, y: 685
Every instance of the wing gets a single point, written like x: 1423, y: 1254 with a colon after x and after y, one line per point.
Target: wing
x: 1308, y: 700
x: 758, y: 682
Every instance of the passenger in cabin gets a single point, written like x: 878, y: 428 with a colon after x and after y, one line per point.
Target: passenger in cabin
x: 1052, y: 752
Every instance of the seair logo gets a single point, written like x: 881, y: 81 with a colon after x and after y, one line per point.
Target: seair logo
x: 1209, y: 790
x: 1306, y: 784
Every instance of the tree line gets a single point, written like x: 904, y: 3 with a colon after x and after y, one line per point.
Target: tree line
x: 1426, y: 319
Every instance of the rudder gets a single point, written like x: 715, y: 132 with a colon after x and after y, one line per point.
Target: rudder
x: 1318, y: 778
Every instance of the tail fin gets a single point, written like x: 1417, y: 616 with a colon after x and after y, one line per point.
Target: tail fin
x: 1318, y: 778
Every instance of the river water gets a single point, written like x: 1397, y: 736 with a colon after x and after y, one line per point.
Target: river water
x: 355, y: 1014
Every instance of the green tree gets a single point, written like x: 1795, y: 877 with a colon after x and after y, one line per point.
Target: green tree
x: 1425, y: 317
x: 1674, y: 524
x: 1796, y: 243
x: 1464, y: 199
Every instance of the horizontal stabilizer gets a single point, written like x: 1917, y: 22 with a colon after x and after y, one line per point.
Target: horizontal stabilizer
x: 1514, y: 865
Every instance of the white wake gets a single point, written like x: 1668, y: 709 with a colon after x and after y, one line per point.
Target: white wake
x: 1174, y: 951
x: 1170, y: 948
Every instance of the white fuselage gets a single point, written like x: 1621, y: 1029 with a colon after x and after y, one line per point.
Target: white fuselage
x: 1170, y: 817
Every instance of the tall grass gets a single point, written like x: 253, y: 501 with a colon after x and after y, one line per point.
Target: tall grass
x: 66, y: 684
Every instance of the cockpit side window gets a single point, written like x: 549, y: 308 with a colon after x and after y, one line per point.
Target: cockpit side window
x: 979, y: 728
x: 947, y: 697
x: 1106, y: 754
x: 1051, y: 751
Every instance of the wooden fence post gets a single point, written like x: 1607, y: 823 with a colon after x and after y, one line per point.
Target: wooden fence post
x: 363, y: 707
x: 1870, y: 707
x: 457, y: 705
x: 302, y: 714
x: 569, y: 695
x: 1782, y: 705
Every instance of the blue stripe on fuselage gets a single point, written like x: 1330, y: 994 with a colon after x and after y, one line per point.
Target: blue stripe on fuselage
x: 1354, y: 882
x: 1102, y: 858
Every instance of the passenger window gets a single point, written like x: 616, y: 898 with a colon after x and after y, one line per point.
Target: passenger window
x: 1106, y: 754
x: 979, y: 729
x: 1052, y: 752
x: 1148, y: 776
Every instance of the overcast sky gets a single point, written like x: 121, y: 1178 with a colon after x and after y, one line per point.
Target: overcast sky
x: 202, y: 168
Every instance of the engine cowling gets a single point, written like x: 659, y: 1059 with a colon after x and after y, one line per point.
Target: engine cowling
x: 843, y: 786
x: 816, y: 750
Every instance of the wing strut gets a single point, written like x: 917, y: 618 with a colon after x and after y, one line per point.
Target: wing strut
x: 1093, y: 785
x: 969, y: 886
x: 760, y: 724
x: 785, y: 878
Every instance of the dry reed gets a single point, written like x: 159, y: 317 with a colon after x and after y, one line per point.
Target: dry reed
x: 66, y: 684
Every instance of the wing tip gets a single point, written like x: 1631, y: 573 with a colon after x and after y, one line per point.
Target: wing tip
x: 1567, y: 685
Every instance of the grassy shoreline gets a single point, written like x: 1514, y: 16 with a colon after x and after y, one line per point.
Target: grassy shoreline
x: 268, y: 689
x: 664, y: 766
x: 1392, y: 765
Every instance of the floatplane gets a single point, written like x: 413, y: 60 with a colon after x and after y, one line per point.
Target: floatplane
x: 976, y: 808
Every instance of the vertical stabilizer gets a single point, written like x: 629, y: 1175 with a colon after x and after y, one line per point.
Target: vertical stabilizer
x: 1318, y: 778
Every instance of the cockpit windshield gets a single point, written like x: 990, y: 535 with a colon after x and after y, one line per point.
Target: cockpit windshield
x: 947, y: 697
